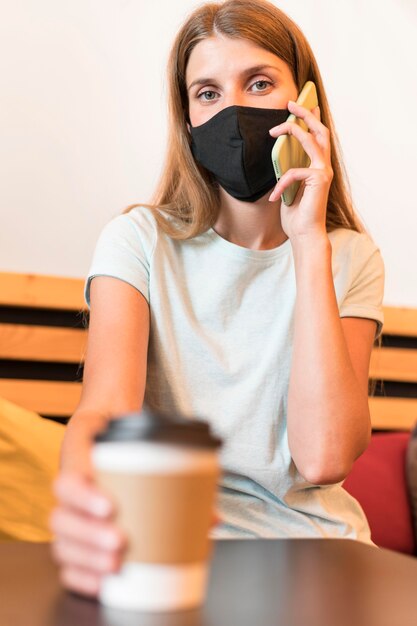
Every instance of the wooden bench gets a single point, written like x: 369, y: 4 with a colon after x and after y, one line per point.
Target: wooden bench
x: 43, y: 338
x: 43, y: 332
x: 393, y: 366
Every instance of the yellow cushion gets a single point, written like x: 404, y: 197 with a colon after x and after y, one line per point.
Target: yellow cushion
x: 29, y: 461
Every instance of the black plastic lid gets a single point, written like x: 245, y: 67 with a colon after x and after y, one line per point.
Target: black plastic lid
x: 148, y: 425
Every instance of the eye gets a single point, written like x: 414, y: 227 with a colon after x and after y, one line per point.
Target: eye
x: 265, y: 84
x: 203, y: 93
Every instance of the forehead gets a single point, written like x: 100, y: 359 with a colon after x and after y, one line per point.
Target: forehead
x: 218, y: 55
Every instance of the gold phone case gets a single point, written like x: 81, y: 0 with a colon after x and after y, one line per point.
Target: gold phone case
x: 288, y: 152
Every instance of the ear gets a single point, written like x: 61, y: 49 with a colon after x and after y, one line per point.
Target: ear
x: 189, y: 128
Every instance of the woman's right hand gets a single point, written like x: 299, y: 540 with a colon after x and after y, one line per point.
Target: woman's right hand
x: 88, y: 544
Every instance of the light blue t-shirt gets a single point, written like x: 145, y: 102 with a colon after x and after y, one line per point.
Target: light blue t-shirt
x: 221, y: 334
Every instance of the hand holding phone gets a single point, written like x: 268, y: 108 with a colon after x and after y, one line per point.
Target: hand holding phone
x: 288, y: 152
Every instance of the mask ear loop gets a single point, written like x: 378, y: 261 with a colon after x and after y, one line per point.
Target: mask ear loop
x: 187, y: 123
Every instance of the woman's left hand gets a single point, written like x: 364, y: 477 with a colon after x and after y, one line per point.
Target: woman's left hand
x: 307, y: 214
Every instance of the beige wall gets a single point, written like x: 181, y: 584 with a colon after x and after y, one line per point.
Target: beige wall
x: 82, y: 120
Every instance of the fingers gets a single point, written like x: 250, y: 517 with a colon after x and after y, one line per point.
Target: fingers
x: 312, y: 121
x: 74, y: 491
x: 321, y: 177
x: 84, y: 582
x: 309, y: 143
x: 316, y: 112
x: 318, y: 137
x: 92, y: 562
x: 87, y: 543
x: 85, y: 530
x: 77, y: 556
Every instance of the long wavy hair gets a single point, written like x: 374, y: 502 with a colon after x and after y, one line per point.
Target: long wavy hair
x: 186, y: 200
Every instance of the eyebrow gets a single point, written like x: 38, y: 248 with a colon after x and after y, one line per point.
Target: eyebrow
x: 250, y: 70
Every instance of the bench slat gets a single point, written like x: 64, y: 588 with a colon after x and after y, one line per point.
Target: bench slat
x: 399, y: 364
x: 44, y: 397
x: 400, y: 321
x: 36, y: 290
x: 42, y: 343
x: 393, y: 413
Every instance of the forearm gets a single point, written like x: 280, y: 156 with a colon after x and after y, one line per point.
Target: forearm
x: 328, y: 414
x: 75, y: 449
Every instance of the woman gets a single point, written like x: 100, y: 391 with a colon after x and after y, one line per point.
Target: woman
x: 221, y: 302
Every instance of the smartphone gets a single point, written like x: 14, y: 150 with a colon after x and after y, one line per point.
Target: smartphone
x: 288, y: 151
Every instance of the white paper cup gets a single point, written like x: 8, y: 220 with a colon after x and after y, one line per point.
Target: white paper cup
x: 164, y: 494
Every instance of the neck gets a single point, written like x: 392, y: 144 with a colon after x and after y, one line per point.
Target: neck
x: 254, y: 225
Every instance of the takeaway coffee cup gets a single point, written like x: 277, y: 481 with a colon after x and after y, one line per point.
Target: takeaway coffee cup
x: 162, y: 474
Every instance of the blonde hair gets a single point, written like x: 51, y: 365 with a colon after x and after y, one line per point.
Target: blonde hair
x: 186, y: 200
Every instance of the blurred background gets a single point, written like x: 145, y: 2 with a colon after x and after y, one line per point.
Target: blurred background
x: 83, y: 120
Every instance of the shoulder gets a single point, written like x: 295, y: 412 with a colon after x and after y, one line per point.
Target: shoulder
x: 357, y: 263
x: 359, y: 275
x: 346, y: 241
x: 124, y: 249
x: 139, y: 219
x: 137, y: 227
x: 354, y: 249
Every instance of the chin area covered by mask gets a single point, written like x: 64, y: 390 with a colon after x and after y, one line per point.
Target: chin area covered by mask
x: 235, y: 146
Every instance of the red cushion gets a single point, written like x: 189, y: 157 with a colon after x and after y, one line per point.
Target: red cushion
x: 378, y: 481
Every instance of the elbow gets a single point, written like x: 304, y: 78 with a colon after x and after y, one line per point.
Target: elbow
x: 327, y: 470
x: 367, y: 437
x: 331, y: 466
x: 331, y: 469
x: 325, y: 475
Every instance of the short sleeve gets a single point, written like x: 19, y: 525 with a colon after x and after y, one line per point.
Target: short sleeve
x: 124, y: 250
x: 365, y: 294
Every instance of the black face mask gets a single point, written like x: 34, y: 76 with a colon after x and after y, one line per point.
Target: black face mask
x: 235, y: 146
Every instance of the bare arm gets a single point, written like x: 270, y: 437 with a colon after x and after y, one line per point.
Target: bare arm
x: 328, y: 413
x: 115, y: 364
x: 88, y: 543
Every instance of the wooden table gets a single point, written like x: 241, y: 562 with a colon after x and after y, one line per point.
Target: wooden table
x: 262, y: 582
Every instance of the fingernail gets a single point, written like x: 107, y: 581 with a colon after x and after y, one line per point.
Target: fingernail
x: 274, y: 128
x: 100, y: 507
x: 109, y: 540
